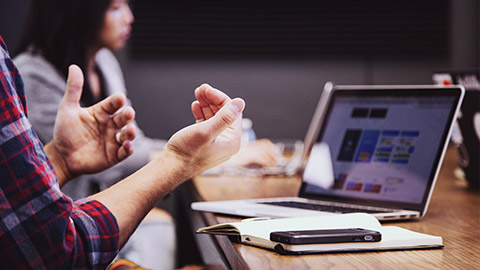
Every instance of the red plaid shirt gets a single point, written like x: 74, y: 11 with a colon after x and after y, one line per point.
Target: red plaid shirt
x: 40, y: 227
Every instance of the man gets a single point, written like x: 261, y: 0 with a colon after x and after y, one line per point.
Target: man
x: 40, y: 227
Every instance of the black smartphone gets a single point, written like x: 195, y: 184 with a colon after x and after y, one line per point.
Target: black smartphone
x: 326, y: 236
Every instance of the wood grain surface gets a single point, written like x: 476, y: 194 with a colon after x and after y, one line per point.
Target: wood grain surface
x: 454, y: 214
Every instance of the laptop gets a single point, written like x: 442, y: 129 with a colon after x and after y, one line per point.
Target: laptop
x: 384, y: 146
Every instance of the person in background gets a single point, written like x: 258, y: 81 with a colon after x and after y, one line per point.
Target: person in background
x: 42, y: 228
x: 61, y: 32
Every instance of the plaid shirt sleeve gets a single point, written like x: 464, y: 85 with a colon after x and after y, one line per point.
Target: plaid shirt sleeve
x: 40, y: 227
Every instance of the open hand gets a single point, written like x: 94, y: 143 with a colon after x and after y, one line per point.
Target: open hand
x: 216, y: 135
x: 85, y: 140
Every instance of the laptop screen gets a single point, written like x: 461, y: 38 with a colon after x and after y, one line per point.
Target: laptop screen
x: 384, y: 145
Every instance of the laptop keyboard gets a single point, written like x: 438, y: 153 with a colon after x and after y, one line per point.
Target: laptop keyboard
x: 325, y: 208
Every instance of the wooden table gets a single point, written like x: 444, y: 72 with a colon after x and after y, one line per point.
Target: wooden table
x: 454, y: 214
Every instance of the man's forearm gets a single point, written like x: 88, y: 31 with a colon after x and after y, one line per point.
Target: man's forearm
x: 132, y: 198
x: 58, y: 163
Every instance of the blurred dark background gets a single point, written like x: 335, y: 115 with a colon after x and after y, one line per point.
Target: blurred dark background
x: 278, y: 54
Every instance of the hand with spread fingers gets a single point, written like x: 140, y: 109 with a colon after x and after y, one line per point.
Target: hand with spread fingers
x: 88, y: 140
